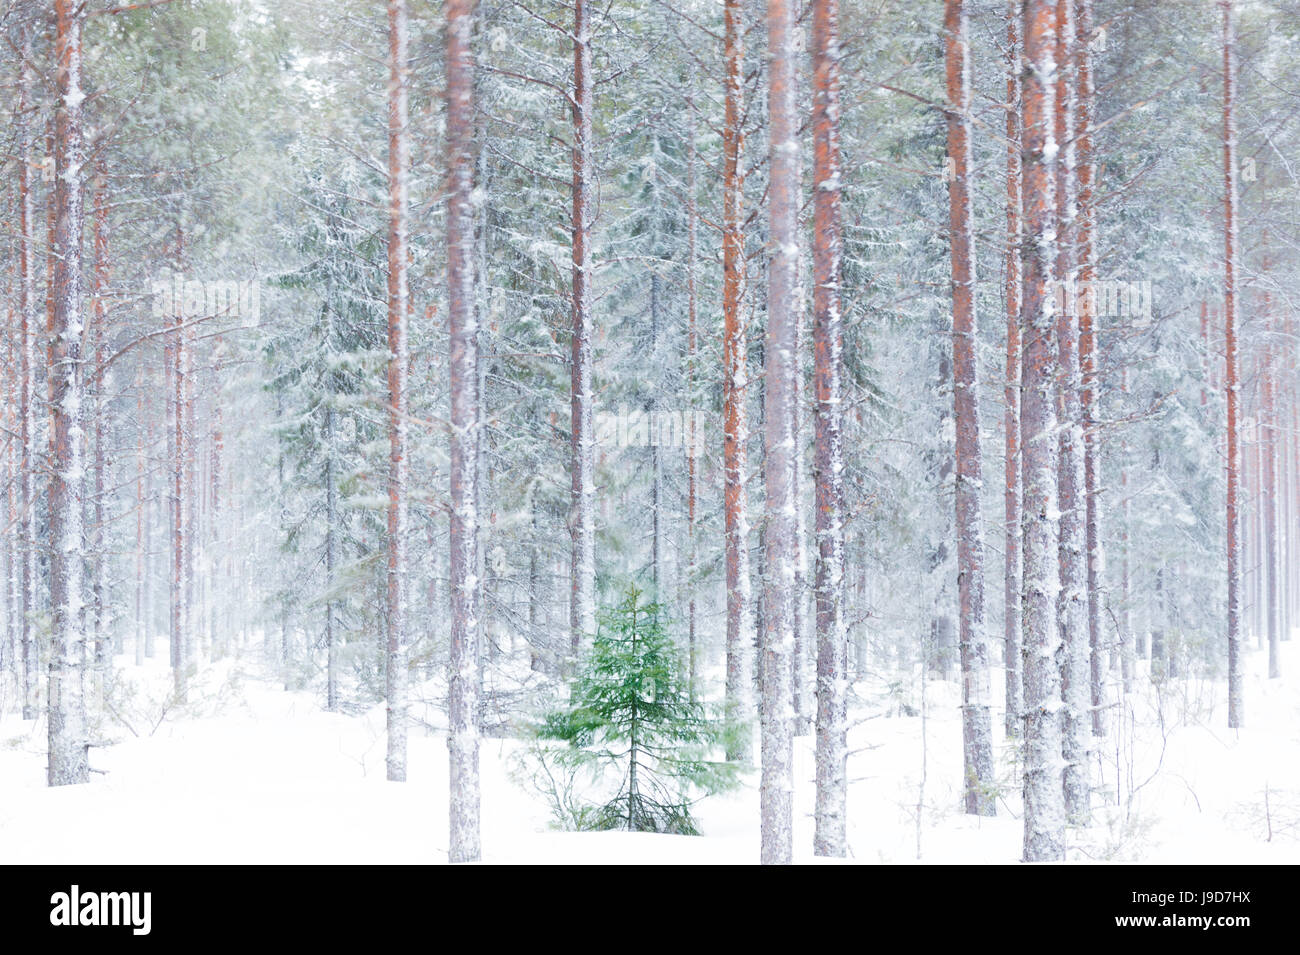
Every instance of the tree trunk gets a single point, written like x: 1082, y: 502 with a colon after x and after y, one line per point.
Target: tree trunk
x: 1011, y: 390
x: 740, y: 637
x: 977, y: 729
x: 27, y: 398
x: 68, y: 743
x: 1236, y: 709
x: 830, y: 836
x: 582, y: 608
x: 1044, y: 816
x: 691, y: 437
x: 99, y: 329
x: 780, y: 460
x: 1072, y: 601
x: 397, y: 368
x: 463, y: 665
x: 1088, y: 353
x: 1268, y: 494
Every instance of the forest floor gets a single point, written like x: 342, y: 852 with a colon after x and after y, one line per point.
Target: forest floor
x: 249, y: 773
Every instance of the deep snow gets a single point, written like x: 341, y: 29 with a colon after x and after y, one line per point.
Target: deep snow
x: 250, y: 773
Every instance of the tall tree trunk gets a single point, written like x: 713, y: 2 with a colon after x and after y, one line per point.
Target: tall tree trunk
x: 189, y: 496
x: 172, y: 530
x: 582, y: 607
x: 331, y: 558
x: 1132, y: 645
x: 1072, y: 601
x: 27, y: 397
x: 1044, y: 816
x: 397, y: 368
x: 780, y: 391
x: 68, y: 743
x: 99, y: 329
x: 1088, y: 354
x: 740, y: 637
x: 977, y: 728
x: 691, y: 437
x: 141, y: 518
x: 1236, y: 709
x: 463, y: 665
x: 1011, y: 389
x: 830, y: 836
x: 1268, y: 493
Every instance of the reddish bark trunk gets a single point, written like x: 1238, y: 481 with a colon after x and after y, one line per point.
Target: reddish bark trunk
x: 582, y: 607
x: 68, y: 744
x: 1236, y: 710
x: 977, y: 731
x: 830, y: 836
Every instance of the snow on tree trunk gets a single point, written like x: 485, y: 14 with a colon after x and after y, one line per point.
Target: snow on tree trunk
x: 68, y: 743
x: 1044, y: 808
x: 397, y: 368
x: 780, y: 390
x: 172, y: 530
x: 1236, y: 705
x: 1268, y: 495
x: 141, y: 521
x: 740, y: 639
x: 582, y: 606
x: 692, y: 437
x: 331, y: 555
x: 1011, y: 389
x: 463, y: 664
x: 830, y: 837
x: 27, y: 397
x: 977, y: 728
x: 1088, y: 354
x: 100, y: 622
x: 1072, y: 607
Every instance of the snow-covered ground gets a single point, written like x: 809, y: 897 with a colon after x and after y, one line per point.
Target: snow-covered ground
x: 249, y: 773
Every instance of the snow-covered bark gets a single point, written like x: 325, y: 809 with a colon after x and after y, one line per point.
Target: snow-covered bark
x: 977, y: 726
x: 141, y: 520
x: 1236, y: 704
x: 830, y: 835
x: 68, y: 744
x: 172, y: 528
x: 1072, y: 607
x: 735, y: 435
x: 27, y: 396
x: 582, y: 528
x: 395, y: 590
x: 463, y: 664
x: 1011, y: 389
x: 1044, y: 809
x: 1268, y: 499
x: 1086, y: 232
x: 780, y: 391
x: 100, y: 625
x: 692, y: 353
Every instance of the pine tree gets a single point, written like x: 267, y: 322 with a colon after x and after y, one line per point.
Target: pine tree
x: 631, y: 710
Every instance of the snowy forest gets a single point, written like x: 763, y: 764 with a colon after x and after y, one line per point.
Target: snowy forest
x: 690, y: 431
